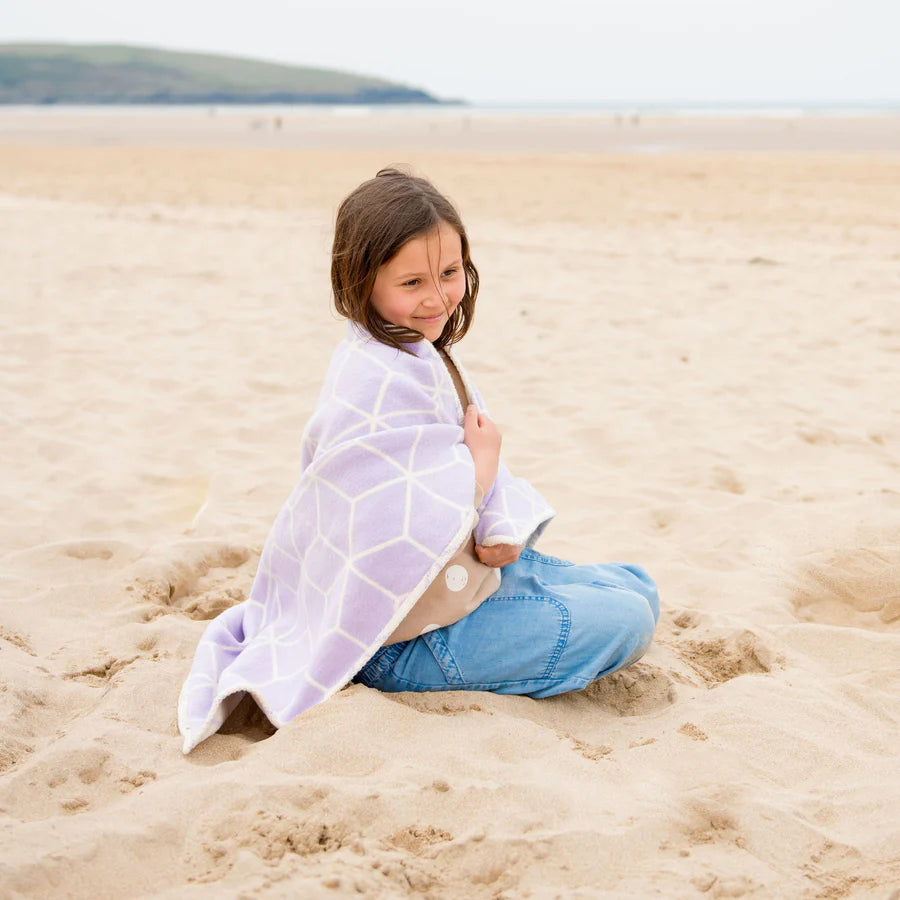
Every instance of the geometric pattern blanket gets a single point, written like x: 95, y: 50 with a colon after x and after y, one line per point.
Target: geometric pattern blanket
x: 384, y: 500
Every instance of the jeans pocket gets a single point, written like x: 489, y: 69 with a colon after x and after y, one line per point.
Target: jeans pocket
x: 506, y: 639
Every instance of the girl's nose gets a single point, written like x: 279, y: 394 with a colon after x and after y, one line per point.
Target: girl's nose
x: 438, y: 296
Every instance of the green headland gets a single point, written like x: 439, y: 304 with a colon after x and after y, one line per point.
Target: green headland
x: 113, y: 73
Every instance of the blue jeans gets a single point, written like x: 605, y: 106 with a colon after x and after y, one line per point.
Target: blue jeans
x: 552, y: 626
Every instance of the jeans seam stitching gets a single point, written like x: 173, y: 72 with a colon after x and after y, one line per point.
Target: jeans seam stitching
x: 540, y: 557
x: 445, y: 657
x: 561, y: 642
x: 486, y: 685
x: 383, y: 664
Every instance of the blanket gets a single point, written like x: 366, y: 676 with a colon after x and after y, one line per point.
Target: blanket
x: 384, y: 500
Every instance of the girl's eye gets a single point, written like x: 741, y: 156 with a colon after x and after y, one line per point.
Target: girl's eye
x: 414, y: 281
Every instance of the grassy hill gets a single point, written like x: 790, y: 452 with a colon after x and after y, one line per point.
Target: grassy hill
x: 112, y: 73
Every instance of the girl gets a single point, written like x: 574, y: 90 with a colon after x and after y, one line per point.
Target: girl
x: 404, y: 558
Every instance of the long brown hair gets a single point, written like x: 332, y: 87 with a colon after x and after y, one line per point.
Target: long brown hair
x: 373, y: 222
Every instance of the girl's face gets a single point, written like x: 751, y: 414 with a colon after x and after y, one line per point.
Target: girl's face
x: 422, y: 283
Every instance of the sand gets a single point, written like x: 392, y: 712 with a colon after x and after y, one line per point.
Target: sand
x: 694, y: 356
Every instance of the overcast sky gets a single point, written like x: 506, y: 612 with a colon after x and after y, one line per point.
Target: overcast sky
x: 517, y: 51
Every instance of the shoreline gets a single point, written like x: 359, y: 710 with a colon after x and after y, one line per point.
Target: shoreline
x: 453, y: 130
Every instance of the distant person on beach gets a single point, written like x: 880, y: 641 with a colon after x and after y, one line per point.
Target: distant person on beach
x: 404, y: 558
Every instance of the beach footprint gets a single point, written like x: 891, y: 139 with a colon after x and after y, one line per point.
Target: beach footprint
x: 722, y: 478
x: 70, y: 777
x: 853, y: 587
x: 719, y: 657
x: 48, y: 565
x: 417, y: 839
x: 280, y: 830
x: 13, y: 750
x: 198, y: 579
x: 638, y: 690
x: 17, y: 640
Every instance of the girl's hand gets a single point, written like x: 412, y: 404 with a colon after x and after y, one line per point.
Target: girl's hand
x: 499, y: 555
x: 483, y: 440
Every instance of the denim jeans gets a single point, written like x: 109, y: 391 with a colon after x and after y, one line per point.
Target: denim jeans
x: 551, y: 626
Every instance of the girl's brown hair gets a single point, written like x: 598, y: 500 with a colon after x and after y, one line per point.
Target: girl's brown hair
x: 373, y: 223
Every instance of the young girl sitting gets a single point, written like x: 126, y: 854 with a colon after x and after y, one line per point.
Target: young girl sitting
x: 404, y: 558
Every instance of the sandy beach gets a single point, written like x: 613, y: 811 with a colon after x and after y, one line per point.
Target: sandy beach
x: 694, y: 355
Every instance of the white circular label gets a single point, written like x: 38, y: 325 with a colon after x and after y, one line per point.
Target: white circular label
x: 456, y: 577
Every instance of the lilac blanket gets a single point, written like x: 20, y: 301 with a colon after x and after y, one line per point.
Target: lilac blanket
x: 384, y: 500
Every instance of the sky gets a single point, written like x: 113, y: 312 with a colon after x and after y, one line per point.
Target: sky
x: 521, y: 52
